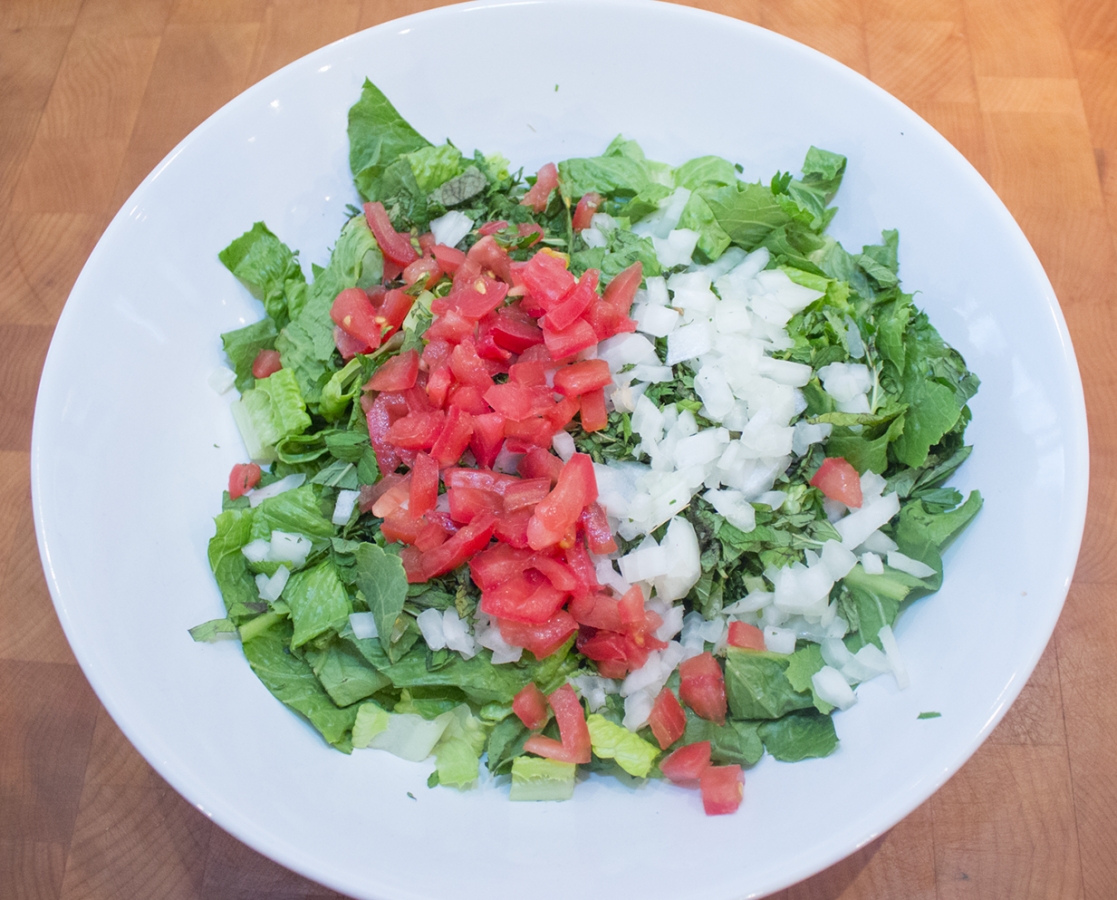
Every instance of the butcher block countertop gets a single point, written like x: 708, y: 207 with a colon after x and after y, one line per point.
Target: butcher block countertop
x: 94, y: 93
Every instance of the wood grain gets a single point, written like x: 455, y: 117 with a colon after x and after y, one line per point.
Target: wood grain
x: 93, y: 93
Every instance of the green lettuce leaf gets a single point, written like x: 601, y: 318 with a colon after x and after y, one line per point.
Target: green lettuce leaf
x: 318, y: 602
x: 380, y: 578
x: 243, y: 345
x: 757, y: 686
x: 378, y: 136
x: 267, y: 267
x: 799, y: 736
x: 611, y: 741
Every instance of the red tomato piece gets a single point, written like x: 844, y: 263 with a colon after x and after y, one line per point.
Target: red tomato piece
x: 607, y: 649
x: 393, y: 309
x: 379, y: 415
x: 395, y: 246
x: 598, y: 611
x: 352, y: 311
x: 424, y: 485
x: 686, y: 765
x: 468, y: 399
x: 438, y: 386
x: 546, y: 180
x: 631, y: 608
x: 467, y: 503
x: 595, y: 525
x: 497, y: 565
x: 474, y: 301
x: 266, y: 363
x: 400, y: 527
x: 451, y: 326
x: 523, y: 433
x: 431, y: 536
x: 515, y: 331
x: 607, y: 320
x: 574, y: 302
x: 530, y: 706
x: 347, y: 345
x: 398, y: 373
x: 702, y: 687
x: 396, y: 495
x: 667, y: 719
x: 493, y: 227
x: 423, y: 266
x: 562, y: 413
x: 540, y: 640
x: 459, y: 547
x: 243, y: 478
x: 453, y: 440
x: 570, y: 341
x: 416, y: 431
x: 584, y: 211
x: 557, y: 513
x: 412, y: 559
x: 538, y: 463
x: 491, y: 256
x: 554, y: 571
x: 838, y: 480
x: 436, y: 353
x: 487, y: 347
x: 526, y: 493
x: 511, y: 400
x: 723, y: 788
x: 526, y: 228
x: 370, y: 493
x: 525, y: 597
x: 575, y: 734
x: 468, y: 367
x: 622, y: 289
x: 449, y: 258
x: 546, y: 278
x: 595, y: 416
x: 487, y: 438
x: 582, y: 566
x: 496, y: 482
x: 512, y: 528
x: 749, y: 637
x: 582, y: 377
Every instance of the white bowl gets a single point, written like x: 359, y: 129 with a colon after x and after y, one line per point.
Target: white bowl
x: 124, y: 395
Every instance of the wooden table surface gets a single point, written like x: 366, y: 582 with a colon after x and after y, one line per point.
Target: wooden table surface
x: 93, y: 93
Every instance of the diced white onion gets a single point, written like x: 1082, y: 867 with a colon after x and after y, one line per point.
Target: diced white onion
x: 831, y: 687
x: 222, y: 379
x: 779, y: 640
x: 451, y: 228
x: 563, y: 444
x: 343, y: 508
x: 256, y: 551
x: 271, y: 588
x: 430, y: 624
x: 898, y: 560
x: 363, y: 625
x: 872, y: 564
x: 289, y: 548
x: 892, y: 651
x: 259, y: 495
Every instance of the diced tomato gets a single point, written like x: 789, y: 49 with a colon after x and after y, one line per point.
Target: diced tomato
x: 540, y: 640
x: 595, y: 525
x: 532, y: 431
x: 667, y: 719
x: 555, y: 571
x: 468, y: 367
x: 493, y: 227
x: 598, y: 611
x: 487, y: 347
x: 454, y: 438
x: 607, y: 649
x: 243, y: 478
x: 400, y: 527
x: 449, y: 258
x: 412, y: 559
x: 686, y: 765
x: 582, y: 566
x: 424, y: 485
x: 497, y: 565
x: 528, y: 374
x: 702, y: 687
x: 474, y: 301
x: 723, y: 788
x: 562, y: 413
x: 546, y: 278
x: 439, y: 383
x: 431, y: 536
x: 582, y: 377
x: 490, y: 255
x: 546, y: 180
x: 570, y: 341
x: 838, y: 480
x: 584, y: 211
x: 347, y: 345
x: 511, y: 400
x: 487, y: 480
x: 622, y: 289
x: 607, y: 320
x: 559, y: 510
x: 379, y: 415
x: 393, y: 309
x: 631, y: 607
x: 416, y: 431
x: 395, y: 496
x: 398, y: 373
x: 538, y: 463
x: 451, y: 326
x: 458, y: 548
x: 353, y: 312
x: 395, y: 246
x: 370, y: 493
x: 526, y: 493
x: 749, y: 637
x: 436, y: 353
x: 515, y: 331
x: 573, y: 303
x: 530, y: 706
x: 467, y: 503
x: 525, y: 597
x: 417, y: 400
x: 468, y: 399
x: 266, y: 363
x: 512, y: 528
x: 423, y: 266
x: 487, y: 438
x: 575, y: 734
x: 594, y: 414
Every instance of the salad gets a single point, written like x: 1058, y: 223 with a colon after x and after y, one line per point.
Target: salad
x: 624, y: 467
